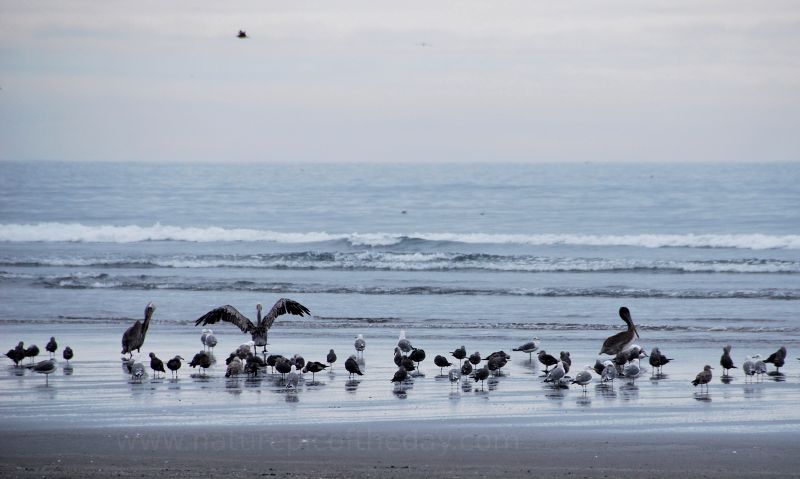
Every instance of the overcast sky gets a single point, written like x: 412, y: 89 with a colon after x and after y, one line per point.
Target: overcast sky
x: 400, y: 81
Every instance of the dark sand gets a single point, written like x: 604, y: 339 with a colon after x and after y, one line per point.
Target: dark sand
x: 397, y: 449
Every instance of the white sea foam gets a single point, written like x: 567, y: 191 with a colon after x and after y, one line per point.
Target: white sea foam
x: 76, y: 232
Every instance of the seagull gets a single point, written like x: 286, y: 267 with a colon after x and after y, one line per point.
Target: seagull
x: 284, y: 366
x: 760, y: 366
x: 466, y: 369
x: 201, y: 359
x: 658, y: 360
x: 204, y: 335
x: 137, y: 371
x: 778, y: 358
x: 703, y: 377
x: 211, y: 341
x: 156, y: 365
x: 460, y: 354
x: 292, y: 380
x: 631, y: 371
x: 564, y: 355
x: 360, y: 344
x: 726, y: 361
x: 475, y: 358
x: 583, y: 378
x: 31, y: 352
x: 298, y: 361
x: 749, y: 367
x: 67, y: 354
x: 556, y: 374
x: 400, y: 375
x: 258, y: 330
x: 547, y: 360
x: 51, y: 346
x: 620, y: 341
x: 45, y: 367
x: 235, y: 367
x: 174, y: 364
x: 16, y: 354
x: 314, y: 367
x: 331, y: 358
x: 417, y: 355
x: 442, y: 362
x: 481, y: 375
x: 454, y: 375
x: 403, y: 343
x: 609, y: 372
x: 351, y: 365
x: 529, y: 347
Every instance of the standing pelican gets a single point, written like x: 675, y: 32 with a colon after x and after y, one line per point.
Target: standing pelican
x: 360, y: 344
x: 51, y: 346
x: 133, y: 338
x: 259, y: 330
x: 620, y: 341
x: 45, y: 367
x: 529, y: 347
x: 726, y: 361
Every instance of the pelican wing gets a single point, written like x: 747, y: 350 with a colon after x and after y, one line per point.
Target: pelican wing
x: 284, y: 306
x: 226, y: 313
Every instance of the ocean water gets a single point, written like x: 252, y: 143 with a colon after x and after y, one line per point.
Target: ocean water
x: 482, y: 255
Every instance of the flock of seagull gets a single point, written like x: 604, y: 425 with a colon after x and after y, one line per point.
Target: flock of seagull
x: 624, y: 362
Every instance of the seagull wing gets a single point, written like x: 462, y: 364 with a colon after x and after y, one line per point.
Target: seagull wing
x: 284, y: 306
x: 226, y: 313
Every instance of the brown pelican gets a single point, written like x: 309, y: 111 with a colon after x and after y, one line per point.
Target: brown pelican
x: 259, y: 330
x: 726, y: 361
x: 51, y: 346
x: 133, y: 338
x: 45, y: 367
x: 620, y: 341
x: 703, y: 377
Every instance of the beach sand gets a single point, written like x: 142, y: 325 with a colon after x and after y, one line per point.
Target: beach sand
x: 396, y: 449
x: 96, y: 422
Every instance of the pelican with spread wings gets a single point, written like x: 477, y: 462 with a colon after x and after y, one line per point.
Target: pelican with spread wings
x: 259, y: 330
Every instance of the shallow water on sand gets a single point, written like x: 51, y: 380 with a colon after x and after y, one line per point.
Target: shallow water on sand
x: 97, y: 393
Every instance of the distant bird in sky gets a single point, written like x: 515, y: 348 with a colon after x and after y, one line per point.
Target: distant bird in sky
x: 133, y: 337
x: 259, y: 330
x: 242, y: 34
x: 620, y: 341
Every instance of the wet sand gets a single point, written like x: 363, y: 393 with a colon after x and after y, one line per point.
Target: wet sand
x: 396, y: 449
x: 96, y: 422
